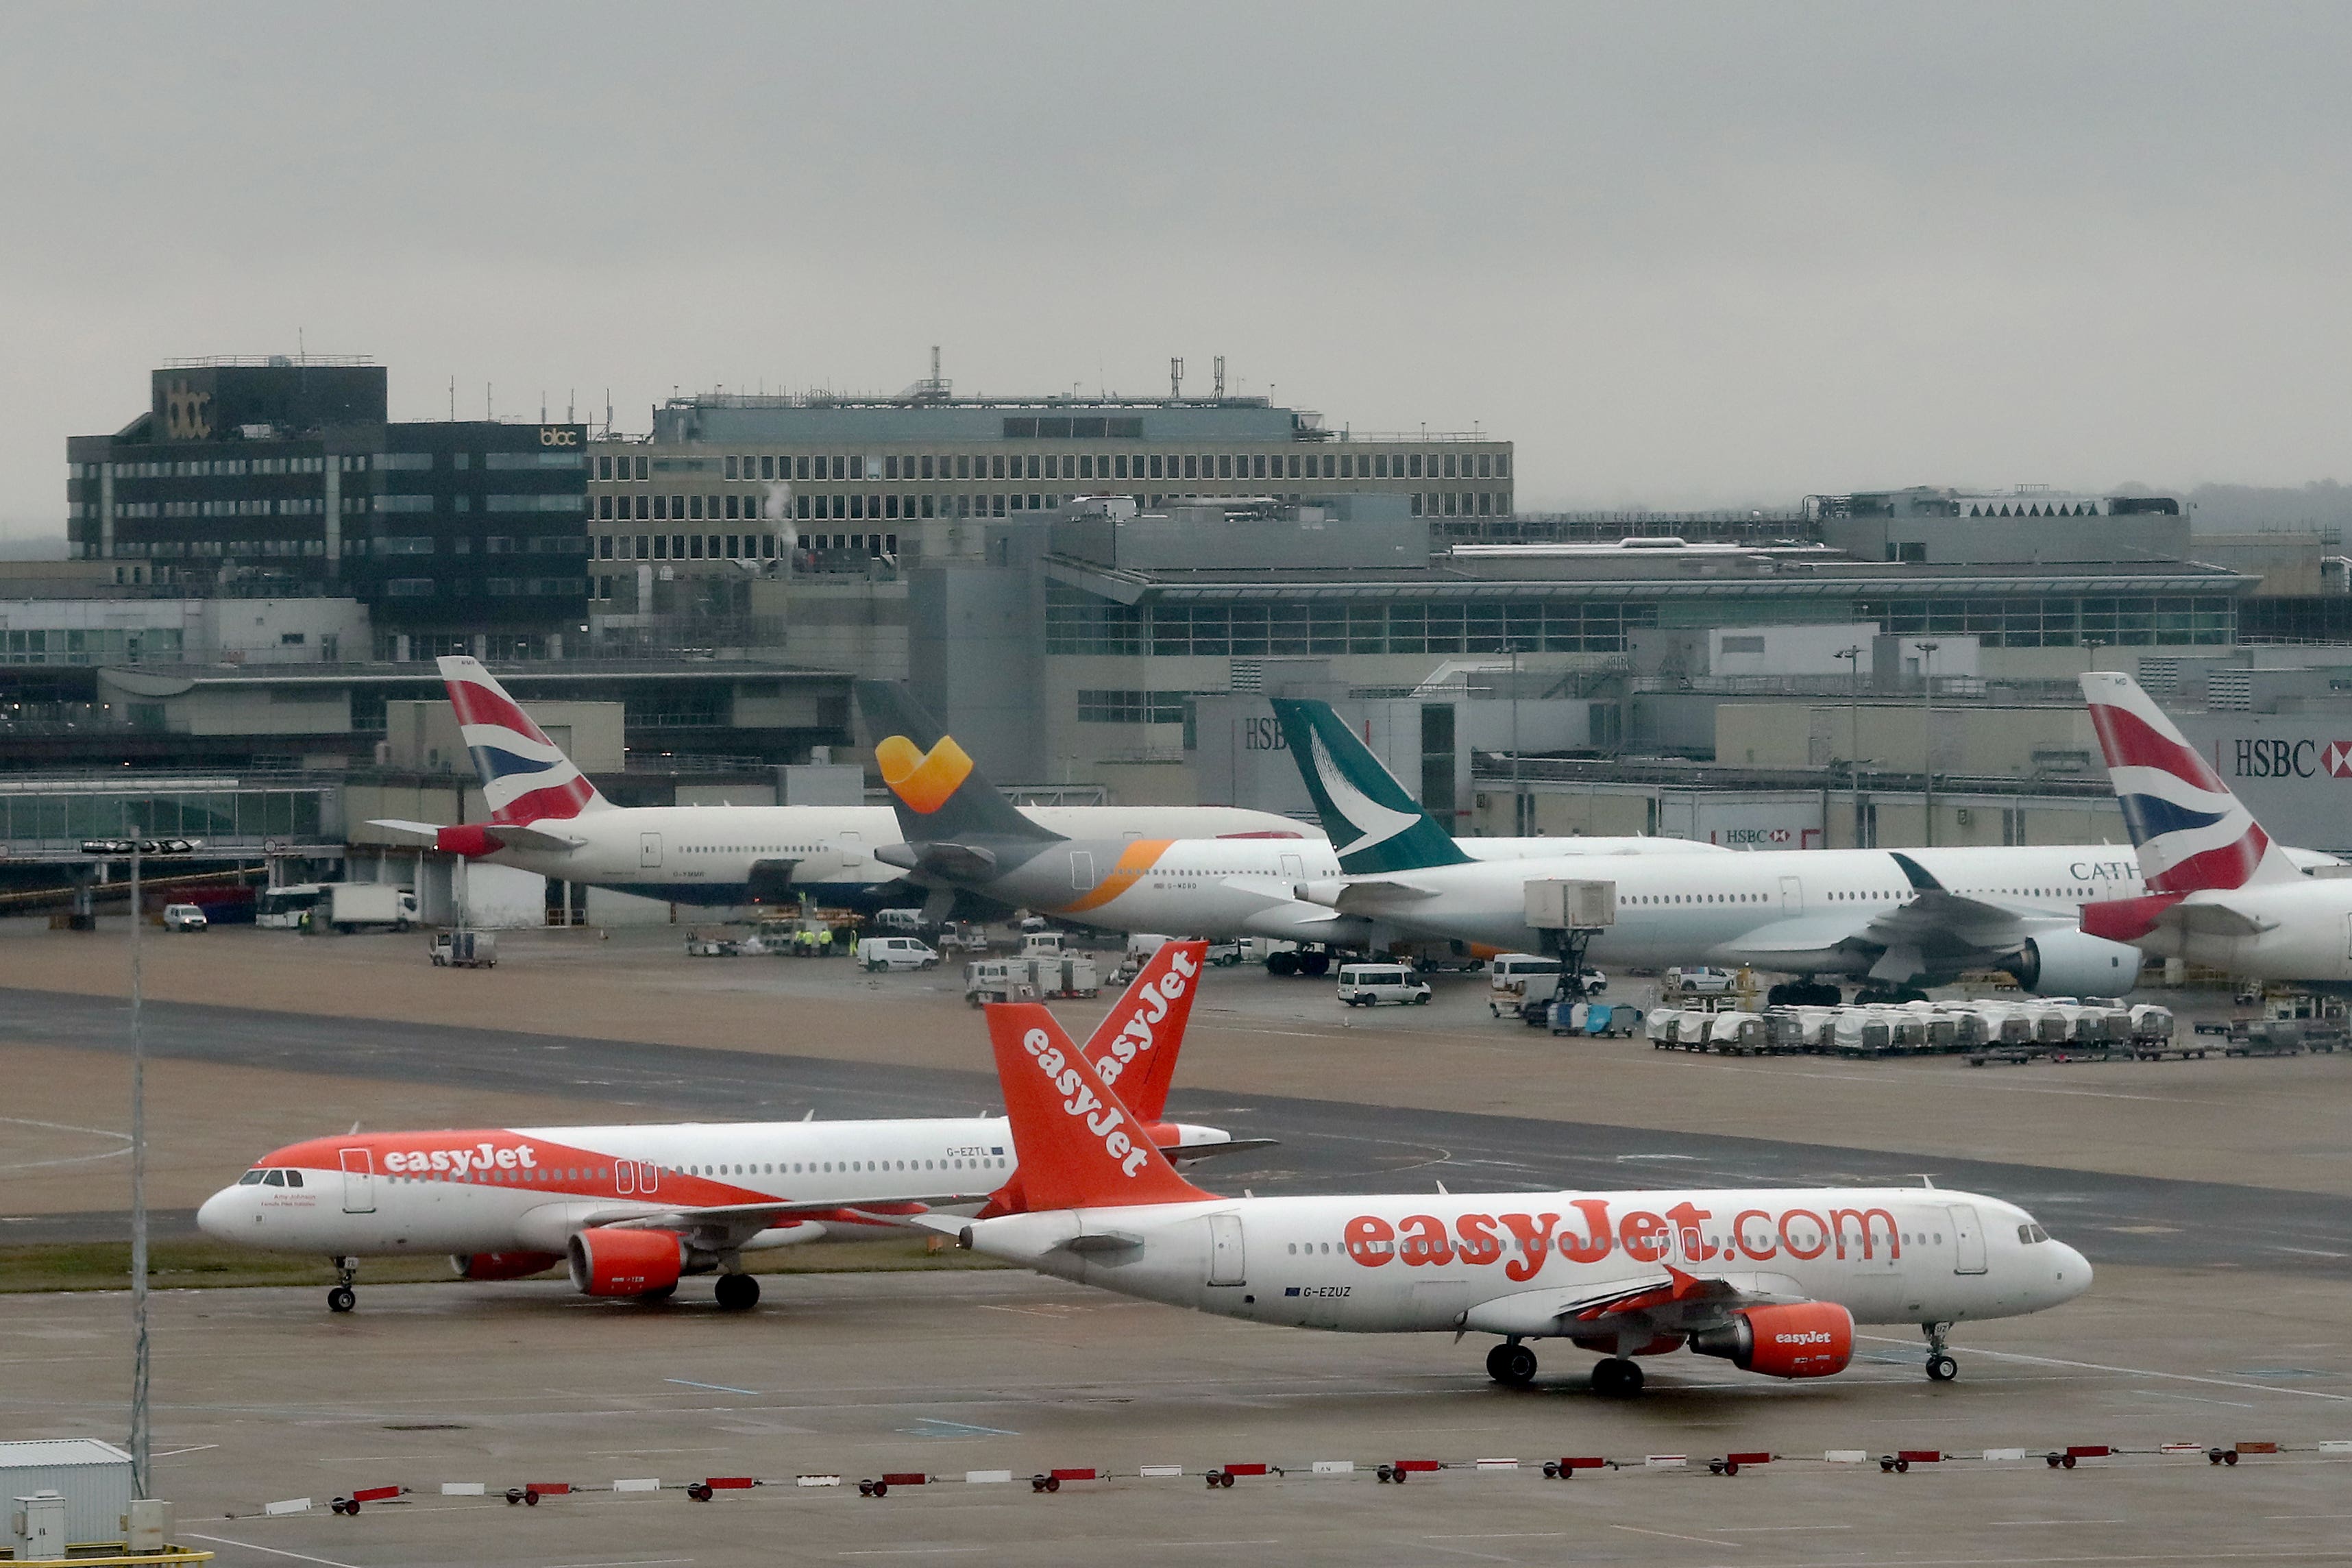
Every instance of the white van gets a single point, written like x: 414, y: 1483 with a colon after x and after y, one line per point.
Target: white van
x: 1370, y: 984
x: 184, y: 917
x: 880, y: 952
x: 1511, y: 970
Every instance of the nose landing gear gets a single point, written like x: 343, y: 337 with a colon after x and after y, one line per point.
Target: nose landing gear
x: 342, y: 1299
x: 1941, y: 1367
x: 1511, y: 1362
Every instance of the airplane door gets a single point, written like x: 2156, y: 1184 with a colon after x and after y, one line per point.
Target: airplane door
x: 359, y: 1181
x: 1967, y: 1240
x: 649, y: 851
x: 1082, y: 870
x: 1294, y: 871
x: 1793, y: 896
x: 1226, y: 1264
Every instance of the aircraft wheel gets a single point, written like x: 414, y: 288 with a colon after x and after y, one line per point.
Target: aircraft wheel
x: 1513, y: 1364
x: 736, y: 1292
x: 341, y: 1299
x: 1942, y: 1369
x: 1281, y: 964
x: 1315, y: 965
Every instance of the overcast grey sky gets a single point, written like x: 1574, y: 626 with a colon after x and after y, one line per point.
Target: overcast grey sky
x: 1679, y: 255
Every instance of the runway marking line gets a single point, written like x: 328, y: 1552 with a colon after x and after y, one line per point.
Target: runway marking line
x: 1670, y: 1535
x: 2132, y: 1370
x: 714, y: 1387
x: 273, y: 1551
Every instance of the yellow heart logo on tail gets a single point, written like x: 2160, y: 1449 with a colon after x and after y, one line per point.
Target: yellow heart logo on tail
x: 923, y: 781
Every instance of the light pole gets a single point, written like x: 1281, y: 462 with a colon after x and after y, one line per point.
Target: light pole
x: 112, y: 848
x: 1928, y: 730
x: 1519, y: 800
x: 1852, y: 656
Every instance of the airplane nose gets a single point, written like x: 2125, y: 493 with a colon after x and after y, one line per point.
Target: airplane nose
x: 2073, y: 1273
x: 213, y: 1217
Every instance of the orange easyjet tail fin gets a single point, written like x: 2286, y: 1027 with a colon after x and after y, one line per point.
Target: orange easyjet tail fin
x: 1134, y: 1047
x: 1077, y: 1146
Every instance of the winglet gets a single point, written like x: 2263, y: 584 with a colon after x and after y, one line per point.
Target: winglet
x: 1077, y: 1146
x: 1134, y: 1047
x: 1922, y: 880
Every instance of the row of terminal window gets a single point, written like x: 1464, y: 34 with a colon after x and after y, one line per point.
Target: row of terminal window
x: 858, y: 468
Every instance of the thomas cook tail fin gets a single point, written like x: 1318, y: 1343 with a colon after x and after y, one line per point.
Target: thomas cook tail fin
x: 1076, y: 1146
x: 1374, y: 822
x: 1134, y: 1049
x: 941, y: 796
x: 2191, y: 832
x: 525, y: 776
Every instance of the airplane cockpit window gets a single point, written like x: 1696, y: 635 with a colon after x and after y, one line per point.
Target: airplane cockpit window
x: 274, y: 1178
x: 251, y: 1178
x: 2029, y: 1233
x: 293, y: 1178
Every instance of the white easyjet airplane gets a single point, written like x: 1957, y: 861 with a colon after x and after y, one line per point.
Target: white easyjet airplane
x: 631, y: 1208
x: 1773, y: 1281
x: 545, y: 816
x: 2220, y: 891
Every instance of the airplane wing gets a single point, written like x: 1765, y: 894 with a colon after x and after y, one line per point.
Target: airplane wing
x: 723, y: 1227
x: 1643, y: 1306
x: 516, y: 835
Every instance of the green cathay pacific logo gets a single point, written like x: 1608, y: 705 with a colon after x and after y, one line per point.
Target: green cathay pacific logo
x: 1374, y: 824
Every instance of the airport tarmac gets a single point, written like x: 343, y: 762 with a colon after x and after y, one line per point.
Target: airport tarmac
x: 263, y: 1396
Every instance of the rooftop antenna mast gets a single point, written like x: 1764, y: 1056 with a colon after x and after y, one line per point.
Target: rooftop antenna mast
x: 1220, y: 381
x: 453, y: 400
x: 1175, y: 379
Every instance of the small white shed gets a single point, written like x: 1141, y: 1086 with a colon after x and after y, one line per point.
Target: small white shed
x: 93, y: 1477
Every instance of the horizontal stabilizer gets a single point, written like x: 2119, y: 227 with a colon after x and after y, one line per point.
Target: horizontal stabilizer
x: 516, y: 835
x: 426, y: 830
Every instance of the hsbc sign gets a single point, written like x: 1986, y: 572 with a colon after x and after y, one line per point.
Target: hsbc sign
x: 2258, y: 758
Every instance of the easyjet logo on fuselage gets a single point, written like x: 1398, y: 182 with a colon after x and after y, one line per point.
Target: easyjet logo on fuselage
x: 924, y: 780
x: 1151, y: 1005
x: 482, y: 1156
x: 1105, y: 1121
x: 1525, y: 1242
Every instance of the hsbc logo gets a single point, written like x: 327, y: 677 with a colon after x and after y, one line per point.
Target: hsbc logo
x: 2260, y: 759
x: 2335, y: 757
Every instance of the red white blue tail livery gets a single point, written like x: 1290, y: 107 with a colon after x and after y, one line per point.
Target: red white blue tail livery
x: 525, y: 776
x: 2191, y: 832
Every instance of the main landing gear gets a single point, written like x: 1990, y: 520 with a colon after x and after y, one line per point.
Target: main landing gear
x: 342, y: 1299
x: 1512, y: 1363
x: 1617, y: 1378
x: 1803, y: 994
x: 736, y: 1292
x: 1941, y: 1367
x: 1309, y: 962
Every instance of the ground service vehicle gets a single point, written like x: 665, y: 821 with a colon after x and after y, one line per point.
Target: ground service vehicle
x: 629, y: 1209
x: 877, y: 953
x: 184, y: 917
x: 1773, y: 1281
x: 1370, y: 984
x: 466, y: 949
x: 356, y: 906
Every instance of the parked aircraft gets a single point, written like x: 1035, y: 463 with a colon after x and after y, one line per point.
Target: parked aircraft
x: 545, y: 816
x: 1893, y: 919
x: 631, y: 1208
x: 2220, y: 891
x: 1773, y: 1281
x: 958, y: 832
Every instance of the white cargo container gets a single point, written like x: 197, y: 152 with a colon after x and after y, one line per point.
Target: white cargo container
x: 94, y: 1478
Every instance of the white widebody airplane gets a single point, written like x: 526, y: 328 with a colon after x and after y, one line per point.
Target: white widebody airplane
x: 631, y: 1208
x: 2220, y: 891
x: 1890, y: 918
x: 959, y: 831
x: 1773, y: 1281
x: 545, y: 816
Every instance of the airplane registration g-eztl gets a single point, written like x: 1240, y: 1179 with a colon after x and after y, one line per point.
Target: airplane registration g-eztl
x: 1893, y: 919
x: 958, y: 832
x: 631, y: 1208
x: 546, y: 817
x: 2220, y: 891
x: 1771, y: 1281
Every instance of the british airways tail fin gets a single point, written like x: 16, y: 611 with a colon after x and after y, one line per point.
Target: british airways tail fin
x: 1076, y: 1146
x: 1374, y: 822
x: 526, y: 777
x: 2191, y: 832
x: 1134, y: 1047
x: 940, y: 794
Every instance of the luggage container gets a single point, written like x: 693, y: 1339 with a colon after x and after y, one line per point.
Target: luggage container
x: 1737, y: 1034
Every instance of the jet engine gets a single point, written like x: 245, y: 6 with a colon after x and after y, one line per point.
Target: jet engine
x: 607, y: 1261
x: 2072, y: 963
x: 503, y: 1265
x: 1813, y: 1340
